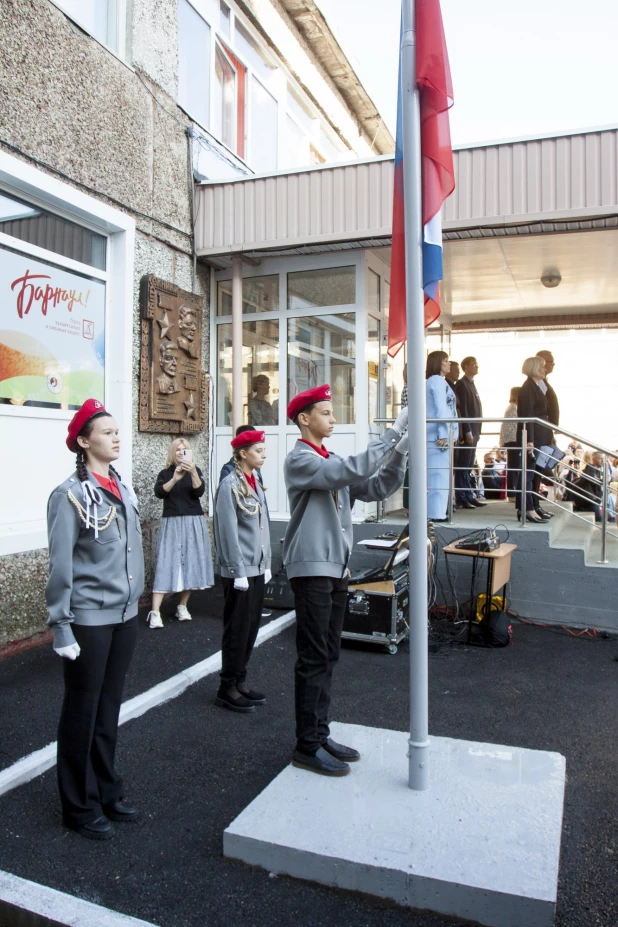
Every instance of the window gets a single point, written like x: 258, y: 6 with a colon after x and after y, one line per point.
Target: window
x: 373, y: 291
x: 259, y: 294
x: 224, y: 19
x: 331, y: 146
x: 224, y: 123
x: 254, y: 55
x: 103, y: 19
x: 260, y: 363
x: 323, y: 350
x: 193, y: 62
x: 263, y: 129
x: 329, y: 286
x: 45, y: 230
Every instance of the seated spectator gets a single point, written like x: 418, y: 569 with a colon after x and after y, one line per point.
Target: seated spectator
x: 491, y: 476
x: 589, y: 488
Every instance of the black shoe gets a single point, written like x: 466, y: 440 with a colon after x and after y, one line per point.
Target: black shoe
x: 120, y: 811
x: 99, y: 829
x: 544, y: 514
x: 345, y: 754
x: 535, y: 518
x: 438, y: 521
x: 224, y: 699
x: 320, y: 762
x: 465, y: 505
x: 476, y: 503
x: 266, y: 613
x: 255, y: 697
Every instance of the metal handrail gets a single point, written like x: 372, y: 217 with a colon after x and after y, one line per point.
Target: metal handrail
x: 524, y: 465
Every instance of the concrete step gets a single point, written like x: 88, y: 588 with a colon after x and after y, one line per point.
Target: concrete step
x: 593, y: 554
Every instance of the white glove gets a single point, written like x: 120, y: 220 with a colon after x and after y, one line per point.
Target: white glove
x: 71, y: 652
x: 241, y: 583
x: 403, y: 446
x: 401, y: 422
x: 267, y: 577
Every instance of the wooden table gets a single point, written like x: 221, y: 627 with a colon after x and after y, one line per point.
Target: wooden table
x: 498, y: 574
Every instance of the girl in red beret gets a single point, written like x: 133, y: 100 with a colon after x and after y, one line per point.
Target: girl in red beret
x: 242, y: 541
x: 96, y: 577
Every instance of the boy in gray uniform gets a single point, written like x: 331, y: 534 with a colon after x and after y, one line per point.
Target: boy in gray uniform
x: 322, y: 488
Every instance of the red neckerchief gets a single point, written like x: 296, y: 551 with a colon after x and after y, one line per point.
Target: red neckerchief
x: 251, y: 481
x: 321, y: 450
x: 110, y: 484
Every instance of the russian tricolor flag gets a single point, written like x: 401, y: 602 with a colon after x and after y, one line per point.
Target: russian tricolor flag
x: 433, y: 79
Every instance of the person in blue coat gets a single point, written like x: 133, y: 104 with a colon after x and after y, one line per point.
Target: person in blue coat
x: 441, y: 403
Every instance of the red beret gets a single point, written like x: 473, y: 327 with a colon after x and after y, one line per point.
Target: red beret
x: 300, y: 402
x: 90, y: 407
x: 245, y: 438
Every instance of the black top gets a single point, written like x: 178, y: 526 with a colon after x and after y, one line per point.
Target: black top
x: 553, y: 407
x: 588, y: 485
x: 183, y: 498
x: 532, y: 403
x: 469, y: 404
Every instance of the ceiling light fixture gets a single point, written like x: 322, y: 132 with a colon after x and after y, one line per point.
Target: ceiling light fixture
x: 551, y: 278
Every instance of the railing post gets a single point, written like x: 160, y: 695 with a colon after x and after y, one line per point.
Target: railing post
x: 524, y: 474
x: 451, y: 463
x: 604, y: 501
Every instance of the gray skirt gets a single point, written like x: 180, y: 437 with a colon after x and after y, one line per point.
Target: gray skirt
x: 184, y: 560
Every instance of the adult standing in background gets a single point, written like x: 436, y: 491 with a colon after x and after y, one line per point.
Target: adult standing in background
x: 469, y: 432
x: 532, y: 404
x: 260, y: 411
x: 96, y: 576
x: 454, y: 375
x: 440, y: 404
x: 508, y: 440
x: 553, y: 406
x: 184, y: 560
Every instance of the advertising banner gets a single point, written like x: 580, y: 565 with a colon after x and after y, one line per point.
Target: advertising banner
x: 52, y: 334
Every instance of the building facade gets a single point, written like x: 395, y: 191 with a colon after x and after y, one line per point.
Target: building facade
x: 110, y: 109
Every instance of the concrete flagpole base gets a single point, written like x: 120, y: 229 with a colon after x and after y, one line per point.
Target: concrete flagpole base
x: 482, y: 843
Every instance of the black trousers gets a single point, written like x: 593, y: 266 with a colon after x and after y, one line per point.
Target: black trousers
x: 241, y: 621
x: 88, y: 727
x: 465, y: 456
x: 320, y: 604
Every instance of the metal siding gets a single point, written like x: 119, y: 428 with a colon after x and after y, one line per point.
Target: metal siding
x: 499, y: 182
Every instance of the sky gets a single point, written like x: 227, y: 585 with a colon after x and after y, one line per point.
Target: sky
x: 519, y: 67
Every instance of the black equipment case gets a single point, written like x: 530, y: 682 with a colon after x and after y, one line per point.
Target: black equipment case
x: 379, y: 602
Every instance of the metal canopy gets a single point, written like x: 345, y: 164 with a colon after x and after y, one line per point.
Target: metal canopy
x: 520, y: 209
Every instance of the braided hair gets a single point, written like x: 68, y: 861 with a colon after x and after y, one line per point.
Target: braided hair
x: 240, y: 473
x: 80, y: 457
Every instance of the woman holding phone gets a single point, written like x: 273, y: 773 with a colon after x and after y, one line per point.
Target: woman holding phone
x: 184, y: 560
x: 96, y: 576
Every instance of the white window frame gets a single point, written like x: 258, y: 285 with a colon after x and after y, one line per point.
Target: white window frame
x: 31, y: 185
x: 209, y: 11
x: 120, y: 27
x: 356, y: 435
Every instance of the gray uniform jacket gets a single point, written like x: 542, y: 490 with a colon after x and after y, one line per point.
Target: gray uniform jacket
x: 322, y: 491
x: 92, y: 581
x: 242, y: 536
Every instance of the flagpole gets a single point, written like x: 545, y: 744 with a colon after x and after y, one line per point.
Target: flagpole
x: 418, y: 752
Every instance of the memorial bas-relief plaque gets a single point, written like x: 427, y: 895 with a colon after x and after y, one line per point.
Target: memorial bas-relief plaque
x: 172, y: 395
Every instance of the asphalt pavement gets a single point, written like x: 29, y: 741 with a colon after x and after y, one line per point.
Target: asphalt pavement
x: 192, y: 768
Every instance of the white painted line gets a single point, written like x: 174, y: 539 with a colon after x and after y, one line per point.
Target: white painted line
x: 33, y: 765
x: 58, y: 908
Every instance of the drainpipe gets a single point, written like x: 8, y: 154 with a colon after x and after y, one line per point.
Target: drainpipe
x: 237, y: 396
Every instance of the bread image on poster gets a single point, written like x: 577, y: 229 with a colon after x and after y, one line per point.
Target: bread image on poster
x: 29, y: 371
